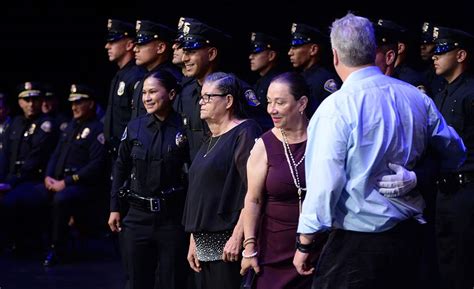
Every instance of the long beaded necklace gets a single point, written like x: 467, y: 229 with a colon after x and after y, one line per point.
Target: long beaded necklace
x: 209, y: 148
x: 293, y: 166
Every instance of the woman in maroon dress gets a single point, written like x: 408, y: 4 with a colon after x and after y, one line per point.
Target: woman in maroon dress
x: 276, y: 188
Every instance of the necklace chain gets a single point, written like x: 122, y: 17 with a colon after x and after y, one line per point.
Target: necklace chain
x: 293, y: 166
x: 209, y: 147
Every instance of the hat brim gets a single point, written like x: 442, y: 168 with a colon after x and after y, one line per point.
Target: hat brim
x: 78, y: 96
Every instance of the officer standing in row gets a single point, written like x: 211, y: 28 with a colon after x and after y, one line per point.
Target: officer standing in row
x: 120, y: 44
x: 455, y: 202
x: 30, y: 142
x: 435, y: 82
x: 306, y: 54
x: 265, y: 53
x: 153, y: 51
x: 75, y: 173
x: 149, y: 173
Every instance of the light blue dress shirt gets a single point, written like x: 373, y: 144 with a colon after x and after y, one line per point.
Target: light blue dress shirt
x: 371, y: 121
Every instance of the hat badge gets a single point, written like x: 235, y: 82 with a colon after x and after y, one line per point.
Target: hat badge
x: 109, y: 24
x: 435, y: 32
x: 138, y: 25
x: 28, y: 86
x: 293, y: 27
x: 380, y: 22
x: 425, y: 27
x: 252, y: 37
x: 186, y: 28
x: 180, y: 23
x: 73, y: 88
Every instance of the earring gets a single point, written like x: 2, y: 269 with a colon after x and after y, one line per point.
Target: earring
x: 301, y: 112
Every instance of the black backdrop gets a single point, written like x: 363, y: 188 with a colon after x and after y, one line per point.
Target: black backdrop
x: 61, y: 42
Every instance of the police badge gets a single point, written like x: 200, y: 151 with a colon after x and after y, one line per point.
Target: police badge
x: 121, y: 88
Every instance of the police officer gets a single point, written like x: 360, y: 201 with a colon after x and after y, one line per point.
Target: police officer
x: 149, y: 173
x: 30, y: 141
x: 306, y: 53
x: 455, y: 202
x: 435, y: 82
x: 198, y: 39
x: 51, y: 107
x: 153, y: 51
x: 75, y: 172
x: 120, y: 43
x: 265, y: 51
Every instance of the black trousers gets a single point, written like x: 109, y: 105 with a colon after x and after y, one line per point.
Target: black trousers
x: 155, y: 250
x: 455, y: 237
x: 220, y: 274
x: 386, y: 260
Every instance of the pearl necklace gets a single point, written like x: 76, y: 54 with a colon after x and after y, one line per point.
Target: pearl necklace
x: 209, y: 148
x: 293, y: 166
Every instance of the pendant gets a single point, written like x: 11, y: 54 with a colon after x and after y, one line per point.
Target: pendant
x: 299, y: 198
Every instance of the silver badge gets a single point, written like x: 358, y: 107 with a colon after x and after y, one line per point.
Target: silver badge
x: 85, y: 132
x: 121, y: 88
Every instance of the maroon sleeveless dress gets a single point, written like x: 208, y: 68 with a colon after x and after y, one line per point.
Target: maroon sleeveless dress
x: 280, y: 213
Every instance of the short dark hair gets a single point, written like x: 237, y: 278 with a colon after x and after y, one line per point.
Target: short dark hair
x: 296, y: 83
x: 166, y: 79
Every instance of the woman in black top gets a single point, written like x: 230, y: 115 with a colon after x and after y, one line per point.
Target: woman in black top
x: 217, y: 183
x: 151, y: 157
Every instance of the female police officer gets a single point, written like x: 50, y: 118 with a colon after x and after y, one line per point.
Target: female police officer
x: 151, y: 158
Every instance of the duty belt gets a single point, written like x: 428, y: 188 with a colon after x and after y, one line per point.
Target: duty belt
x: 151, y: 204
x: 450, y: 182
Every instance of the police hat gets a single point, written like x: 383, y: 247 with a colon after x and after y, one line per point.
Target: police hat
x: 261, y: 41
x: 182, y: 22
x: 386, y: 32
x: 447, y: 39
x: 427, y: 33
x: 30, y: 89
x: 197, y: 35
x: 303, y: 34
x: 117, y: 29
x: 148, y: 31
x: 80, y: 91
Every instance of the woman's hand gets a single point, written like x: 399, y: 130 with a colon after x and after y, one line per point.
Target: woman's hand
x: 232, y: 249
x: 192, y: 256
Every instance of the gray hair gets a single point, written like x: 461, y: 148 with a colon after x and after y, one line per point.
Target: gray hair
x: 228, y: 83
x: 353, y: 38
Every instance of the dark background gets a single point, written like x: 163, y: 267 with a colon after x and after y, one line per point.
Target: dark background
x: 62, y: 42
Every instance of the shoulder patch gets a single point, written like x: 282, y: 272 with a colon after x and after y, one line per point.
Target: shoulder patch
x: 330, y: 86
x: 121, y: 88
x: 251, y: 97
x: 180, y: 139
x: 101, y: 138
x: 46, y: 126
x: 421, y: 88
x: 63, y: 126
x: 136, y: 84
x: 124, y: 135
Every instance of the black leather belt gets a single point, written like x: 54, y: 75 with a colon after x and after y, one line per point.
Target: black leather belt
x: 147, y: 204
x: 448, y: 183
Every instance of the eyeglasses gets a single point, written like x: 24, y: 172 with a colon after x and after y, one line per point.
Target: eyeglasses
x: 206, y: 97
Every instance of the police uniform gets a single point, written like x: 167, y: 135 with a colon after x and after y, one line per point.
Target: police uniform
x: 29, y: 144
x: 118, y: 111
x: 260, y: 42
x: 321, y: 81
x: 455, y: 202
x: 148, y: 31
x: 151, y: 158
x: 3, y: 136
x: 403, y: 71
x: 60, y: 119
x: 435, y: 82
x: 196, y: 35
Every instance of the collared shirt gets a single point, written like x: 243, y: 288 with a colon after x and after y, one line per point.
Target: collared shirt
x: 371, y: 121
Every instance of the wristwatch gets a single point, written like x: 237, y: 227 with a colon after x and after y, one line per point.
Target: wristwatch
x: 304, y: 248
